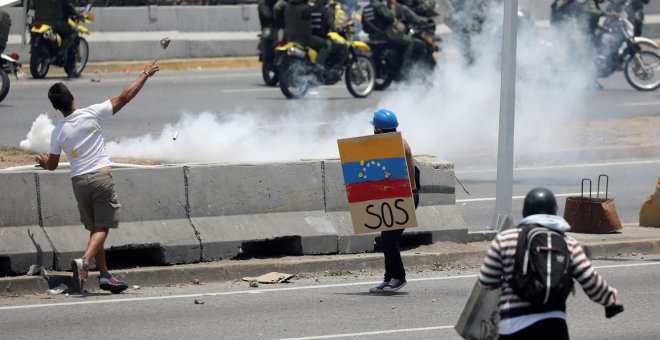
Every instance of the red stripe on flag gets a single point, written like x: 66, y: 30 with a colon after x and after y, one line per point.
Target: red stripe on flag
x: 367, y: 191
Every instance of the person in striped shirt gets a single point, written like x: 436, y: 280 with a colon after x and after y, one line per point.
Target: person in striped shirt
x: 520, y: 319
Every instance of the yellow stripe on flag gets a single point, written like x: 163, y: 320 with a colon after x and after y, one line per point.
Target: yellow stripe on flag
x: 386, y: 145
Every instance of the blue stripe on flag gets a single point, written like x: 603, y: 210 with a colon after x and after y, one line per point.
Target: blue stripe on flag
x: 374, y: 170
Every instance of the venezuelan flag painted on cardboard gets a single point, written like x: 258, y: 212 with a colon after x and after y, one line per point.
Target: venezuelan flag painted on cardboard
x: 377, y: 183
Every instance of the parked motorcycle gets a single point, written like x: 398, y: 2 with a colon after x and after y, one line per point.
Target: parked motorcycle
x: 619, y: 49
x: 387, y: 59
x: 8, y: 65
x: 45, y: 47
x: 270, y: 39
x: 299, y: 72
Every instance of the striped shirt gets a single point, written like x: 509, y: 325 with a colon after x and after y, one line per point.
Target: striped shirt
x: 498, y: 269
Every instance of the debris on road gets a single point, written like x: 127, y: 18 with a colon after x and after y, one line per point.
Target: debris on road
x: 36, y: 270
x: 196, y: 282
x: 254, y: 284
x: 199, y: 301
x: 136, y: 287
x: 272, y: 277
x: 59, y: 289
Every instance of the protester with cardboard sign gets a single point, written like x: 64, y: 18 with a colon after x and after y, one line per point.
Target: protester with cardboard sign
x: 382, y: 190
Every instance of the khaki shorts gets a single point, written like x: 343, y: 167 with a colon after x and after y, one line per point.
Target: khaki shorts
x: 97, y: 200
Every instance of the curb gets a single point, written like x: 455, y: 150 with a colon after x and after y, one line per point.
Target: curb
x: 165, y: 65
x: 470, y: 254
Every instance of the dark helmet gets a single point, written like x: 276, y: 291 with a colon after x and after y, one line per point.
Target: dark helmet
x: 539, y: 201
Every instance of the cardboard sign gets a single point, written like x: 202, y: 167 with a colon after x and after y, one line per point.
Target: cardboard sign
x: 377, y: 183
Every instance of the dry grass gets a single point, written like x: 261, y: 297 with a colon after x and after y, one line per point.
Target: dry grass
x: 11, y: 157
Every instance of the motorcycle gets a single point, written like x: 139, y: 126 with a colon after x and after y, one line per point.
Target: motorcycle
x: 387, y: 59
x: 619, y: 49
x: 45, y: 47
x: 270, y: 39
x: 299, y: 71
x: 8, y: 65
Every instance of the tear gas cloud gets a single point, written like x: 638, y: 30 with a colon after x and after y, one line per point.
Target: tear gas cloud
x: 453, y: 115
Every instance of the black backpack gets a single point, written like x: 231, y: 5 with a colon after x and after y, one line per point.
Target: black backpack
x: 541, y: 271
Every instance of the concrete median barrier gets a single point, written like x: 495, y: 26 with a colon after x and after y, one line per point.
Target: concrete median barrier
x: 22, y: 240
x: 186, y: 214
x: 154, y: 227
x: 235, y: 207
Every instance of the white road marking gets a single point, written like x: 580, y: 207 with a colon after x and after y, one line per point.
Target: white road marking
x: 642, y: 104
x: 253, y: 89
x: 567, y: 166
x: 391, y: 331
x: 485, y: 199
x: 350, y: 284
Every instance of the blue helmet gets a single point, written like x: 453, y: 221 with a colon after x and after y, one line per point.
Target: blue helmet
x: 384, y: 120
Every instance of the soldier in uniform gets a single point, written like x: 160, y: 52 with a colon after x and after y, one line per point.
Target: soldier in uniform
x: 298, y: 28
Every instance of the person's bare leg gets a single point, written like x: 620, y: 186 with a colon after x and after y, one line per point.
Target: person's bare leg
x: 94, y: 246
x: 101, y: 264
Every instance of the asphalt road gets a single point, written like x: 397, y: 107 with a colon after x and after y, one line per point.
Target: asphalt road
x: 324, y: 307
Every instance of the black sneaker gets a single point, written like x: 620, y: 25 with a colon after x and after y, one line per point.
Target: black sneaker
x: 379, y: 289
x: 394, y: 285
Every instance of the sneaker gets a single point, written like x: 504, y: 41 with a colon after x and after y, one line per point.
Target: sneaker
x: 380, y: 288
x: 79, y: 274
x: 112, y: 284
x: 394, y: 285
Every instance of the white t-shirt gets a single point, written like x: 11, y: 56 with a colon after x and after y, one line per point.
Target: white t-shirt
x: 80, y: 136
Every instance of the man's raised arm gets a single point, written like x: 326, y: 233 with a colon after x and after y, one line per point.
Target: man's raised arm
x: 132, y: 90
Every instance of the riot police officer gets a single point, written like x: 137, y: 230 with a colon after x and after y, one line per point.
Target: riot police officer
x: 379, y: 21
x: 56, y: 13
x: 298, y: 27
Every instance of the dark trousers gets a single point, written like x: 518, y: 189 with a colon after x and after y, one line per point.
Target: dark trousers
x: 391, y: 241
x: 548, y: 329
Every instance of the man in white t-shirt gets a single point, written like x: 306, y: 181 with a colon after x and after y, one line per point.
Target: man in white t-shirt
x: 80, y: 136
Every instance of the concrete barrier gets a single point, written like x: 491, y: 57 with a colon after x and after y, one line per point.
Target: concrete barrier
x: 233, y: 205
x: 153, y: 221
x: 22, y: 240
x: 185, y: 214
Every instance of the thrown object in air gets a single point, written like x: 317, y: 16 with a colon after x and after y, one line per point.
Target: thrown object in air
x: 165, y: 42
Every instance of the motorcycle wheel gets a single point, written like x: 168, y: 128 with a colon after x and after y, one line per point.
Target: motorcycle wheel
x: 270, y: 73
x: 644, y: 77
x: 294, y: 81
x: 360, y: 77
x: 383, y: 80
x: 39, y: 63
x: 385, y: 69
x: 4, y: 84
x: 81, y: 56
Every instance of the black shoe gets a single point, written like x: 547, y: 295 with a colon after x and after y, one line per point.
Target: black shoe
x: 380, y: 288
x: 394, y: 285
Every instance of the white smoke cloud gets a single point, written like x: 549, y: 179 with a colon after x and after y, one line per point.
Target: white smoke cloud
x: 38, y: 138
x: 453, y: 114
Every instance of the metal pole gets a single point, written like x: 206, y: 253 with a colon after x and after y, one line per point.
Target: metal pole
x: 504, y: 186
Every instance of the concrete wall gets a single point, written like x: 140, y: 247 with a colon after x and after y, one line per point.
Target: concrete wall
x: 229, y: 18
x: 186, y: 214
